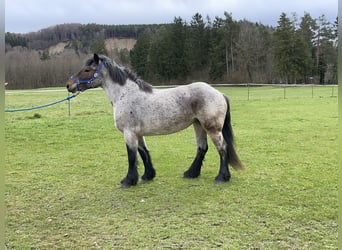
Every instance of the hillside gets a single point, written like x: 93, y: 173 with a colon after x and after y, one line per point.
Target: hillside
x: 119, y: 43
x: 112, y: 45
x: 49, y: 56
x: 82, y: 36
x: 219, y: 50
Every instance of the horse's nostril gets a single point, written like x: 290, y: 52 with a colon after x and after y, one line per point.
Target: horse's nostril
x: 67, y: 86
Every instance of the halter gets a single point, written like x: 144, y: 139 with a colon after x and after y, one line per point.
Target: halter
x: 87, y: 81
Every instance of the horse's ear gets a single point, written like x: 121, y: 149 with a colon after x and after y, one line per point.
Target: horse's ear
x: 96, y: 58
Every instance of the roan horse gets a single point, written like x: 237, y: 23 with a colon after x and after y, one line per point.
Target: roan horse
x: 141, y: 110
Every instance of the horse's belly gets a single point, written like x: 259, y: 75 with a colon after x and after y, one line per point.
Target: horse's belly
x: 152, y: 123
x: 164, y: 126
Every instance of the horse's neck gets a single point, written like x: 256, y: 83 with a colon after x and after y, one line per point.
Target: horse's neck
x: 115, y: 91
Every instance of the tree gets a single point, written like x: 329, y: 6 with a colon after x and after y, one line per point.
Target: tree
x: 98, y: 46
x: 253, y: 61
x: 231, y: 33
x: 290, y: 53
x: 178, y: 42
x: 217, y: 50
x: 197, y: 44
x: 15, y: 40
x: 283, y: 39
x: 307, y: 32
x: 325, y: 47
x: 301, y: 58
x: 167, y: 53
x: 161, y: 55
x: 140, y: 55
x: 224, y: 36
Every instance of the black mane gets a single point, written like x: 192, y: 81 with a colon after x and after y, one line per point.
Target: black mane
x: 121, y: 74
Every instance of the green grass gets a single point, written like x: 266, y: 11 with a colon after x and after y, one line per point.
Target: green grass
x: 63, y: 174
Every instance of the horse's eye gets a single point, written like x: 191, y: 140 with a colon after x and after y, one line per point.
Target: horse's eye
x: 86, y: 70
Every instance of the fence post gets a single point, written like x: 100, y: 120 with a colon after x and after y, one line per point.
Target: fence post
x: 69, y: 103
x: 248, y: 91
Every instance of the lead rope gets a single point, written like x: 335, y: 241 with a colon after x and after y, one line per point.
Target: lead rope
x: 44, y: 105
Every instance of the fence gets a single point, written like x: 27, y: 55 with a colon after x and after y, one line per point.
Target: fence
x: 26, y: 99
x: 251, y: 91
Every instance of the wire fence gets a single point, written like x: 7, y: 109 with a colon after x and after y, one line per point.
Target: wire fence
x: 251, y: 91
x: 29, y: 99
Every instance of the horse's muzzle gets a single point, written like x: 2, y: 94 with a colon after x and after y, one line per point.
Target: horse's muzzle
x: 71, y: 86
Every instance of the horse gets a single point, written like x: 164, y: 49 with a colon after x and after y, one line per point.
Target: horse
x: 141, y: 110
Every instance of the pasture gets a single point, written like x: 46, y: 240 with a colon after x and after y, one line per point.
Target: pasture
x: 62, y: 177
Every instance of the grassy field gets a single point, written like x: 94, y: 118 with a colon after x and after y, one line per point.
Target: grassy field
x: 63, y: 174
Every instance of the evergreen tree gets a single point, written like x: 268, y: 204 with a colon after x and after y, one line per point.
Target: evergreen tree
x: 197, y: 44
x: 325, y: 47
x: 178, y: 36
x: 15, y: 40
x: 160, y: 54
x: 167, y: 53
x: 217, y: 65
x: 307, y: 32
x: 301, y: 59
x: 283, y: 47
x: 99, y: 47
x: 140, y: 55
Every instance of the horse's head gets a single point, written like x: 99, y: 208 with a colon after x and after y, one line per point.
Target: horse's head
x: 87, y: 77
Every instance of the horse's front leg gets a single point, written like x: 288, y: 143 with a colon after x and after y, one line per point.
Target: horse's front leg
x: 132, y: 175
x: 150, y: 172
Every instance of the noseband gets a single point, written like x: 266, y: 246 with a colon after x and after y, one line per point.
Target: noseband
x: 87, y: 81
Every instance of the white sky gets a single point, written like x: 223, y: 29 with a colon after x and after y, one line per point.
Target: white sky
x: 22, y: 16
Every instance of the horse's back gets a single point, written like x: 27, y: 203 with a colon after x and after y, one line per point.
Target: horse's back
x: 200, y: 90
x: 197, y: 96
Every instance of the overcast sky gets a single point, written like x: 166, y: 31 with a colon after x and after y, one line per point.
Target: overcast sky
x: 24, y: 16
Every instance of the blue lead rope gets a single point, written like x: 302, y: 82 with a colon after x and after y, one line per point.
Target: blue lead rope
x: 41, y: 106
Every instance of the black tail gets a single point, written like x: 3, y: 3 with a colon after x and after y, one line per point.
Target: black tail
x: 227, y: 131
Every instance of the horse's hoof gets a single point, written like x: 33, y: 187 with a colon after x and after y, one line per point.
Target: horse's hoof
x: 190, y: 175
x: 219, y: 182
x: 221, y: 179
x: 146, y: 180
x: 128, y: 183
x: 125, y: 185
x: 148, y: 176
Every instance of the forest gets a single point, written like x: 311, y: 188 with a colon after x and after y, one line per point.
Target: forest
x: 220, y: 50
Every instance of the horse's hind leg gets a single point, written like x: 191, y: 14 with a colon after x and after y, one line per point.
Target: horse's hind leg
x: 202, y: 147
x: 221, y: 146
x: 150, y: 172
